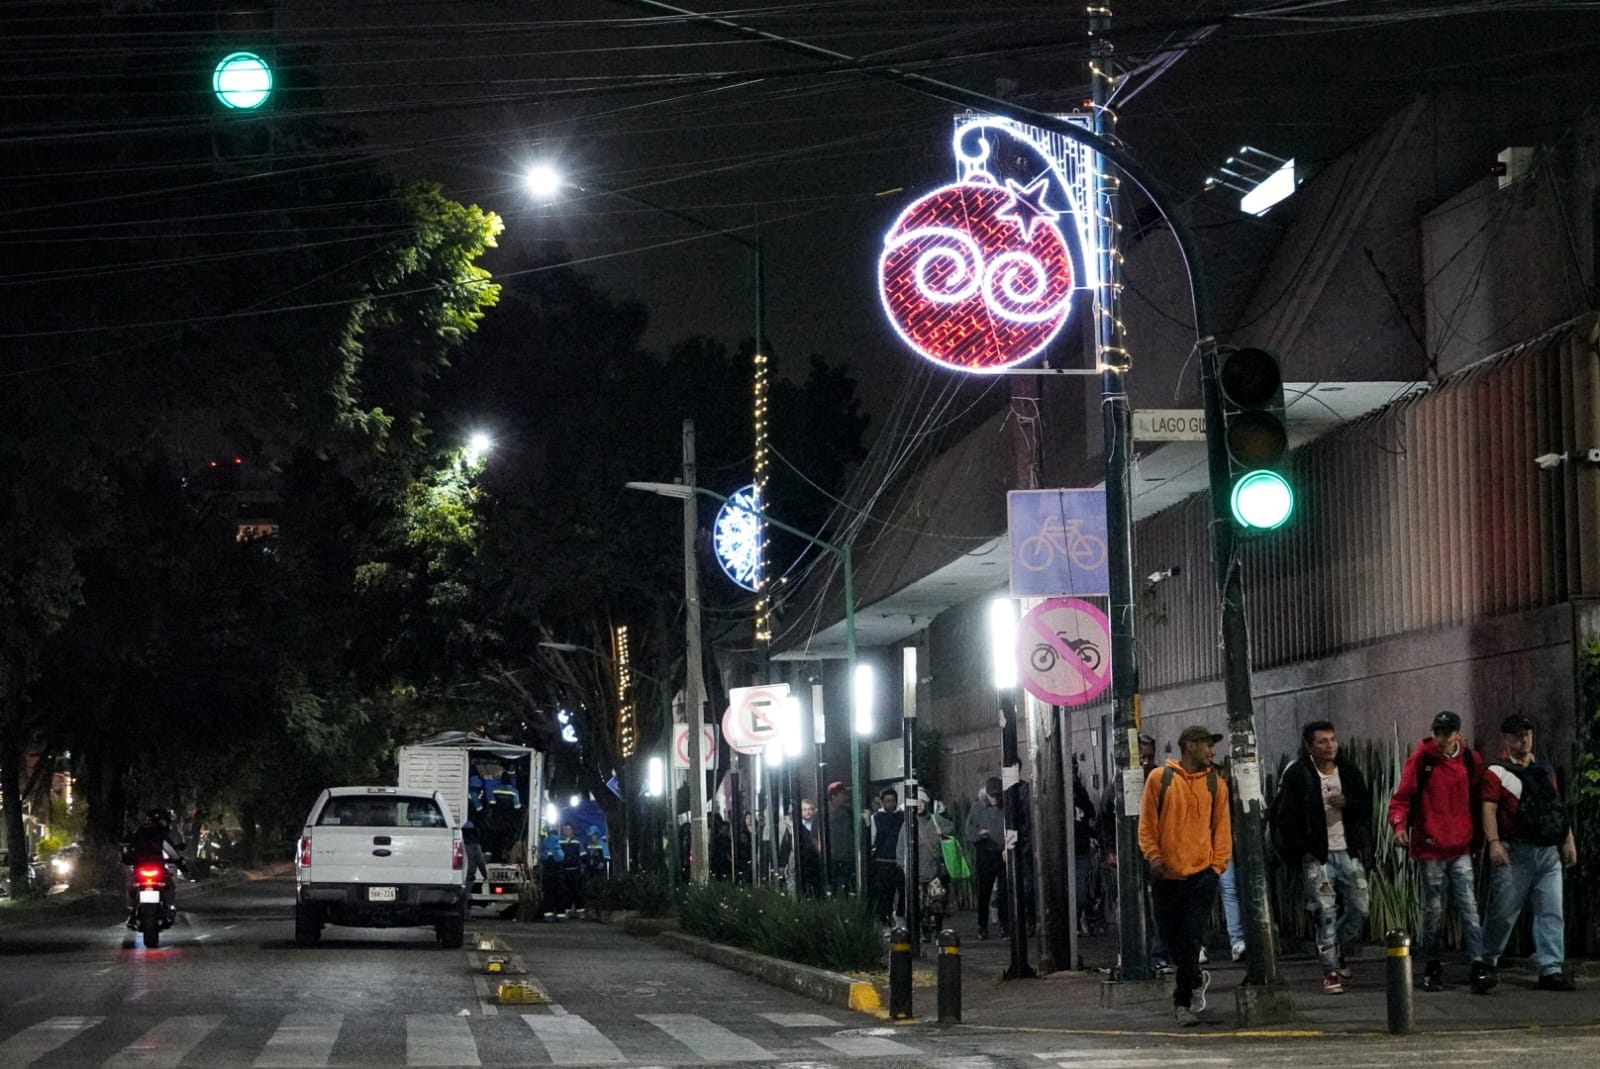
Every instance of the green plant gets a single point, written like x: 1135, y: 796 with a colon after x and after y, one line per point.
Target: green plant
x: 830, y: 933
x: 647, y: 893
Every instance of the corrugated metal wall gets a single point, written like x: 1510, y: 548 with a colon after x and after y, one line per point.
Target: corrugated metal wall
x: 1427, y: 514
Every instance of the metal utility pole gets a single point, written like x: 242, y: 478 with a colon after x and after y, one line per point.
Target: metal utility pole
x: 819, y: 737
x: 1011, y: 776
x: 694, y: 683
x: 908, y: 738
x: 1117, y: 423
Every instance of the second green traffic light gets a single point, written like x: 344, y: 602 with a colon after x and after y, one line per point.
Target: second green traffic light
x: 1257, y: 438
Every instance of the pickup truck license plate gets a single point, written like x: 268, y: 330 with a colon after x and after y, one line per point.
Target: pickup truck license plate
x: 380, y: 894
x: 149, y: 896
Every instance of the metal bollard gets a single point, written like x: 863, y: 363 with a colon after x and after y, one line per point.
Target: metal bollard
x: 949, y: 977
x: 899, y: 974
x: 1401, y: 1017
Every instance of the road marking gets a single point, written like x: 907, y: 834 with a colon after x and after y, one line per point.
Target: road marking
x: 800, y: 1020
x: 42, y: 1038
x: 557, y: 1009
x: 711, y: 1041
x: 867, y: 1046
x: 302, y: 1041
x: 571, y: 1040
x: 961, y: 1061
x: 165, y: 1045
x: 488, y: 1004
x: 1085, y: 1059
x: 439, y: 1039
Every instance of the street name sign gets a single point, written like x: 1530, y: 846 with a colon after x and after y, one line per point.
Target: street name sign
x: 1169, y: 425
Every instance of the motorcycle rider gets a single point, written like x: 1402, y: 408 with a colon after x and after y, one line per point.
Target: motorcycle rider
x: 155, y: 842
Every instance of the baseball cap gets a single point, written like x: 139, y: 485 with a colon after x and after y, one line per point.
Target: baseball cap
x: 992, y: 787
x: 1515, y: 724
x: 836, y: 785
x: 1447, y: 722
x: 1196, y: 733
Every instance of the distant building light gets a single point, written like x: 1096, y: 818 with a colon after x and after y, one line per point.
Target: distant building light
x: 1277, y: 186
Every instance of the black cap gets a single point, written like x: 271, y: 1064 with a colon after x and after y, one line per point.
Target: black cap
x: 1197, y: 733
x: 1447, y: 722
x: 992, y: 787
x: 1515, y: 724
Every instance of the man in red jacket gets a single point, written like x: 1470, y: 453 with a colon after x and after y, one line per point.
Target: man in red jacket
x: 1431, y: 813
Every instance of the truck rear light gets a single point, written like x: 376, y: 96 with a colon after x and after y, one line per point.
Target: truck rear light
x: 305, y: 852
x: 458, y: 857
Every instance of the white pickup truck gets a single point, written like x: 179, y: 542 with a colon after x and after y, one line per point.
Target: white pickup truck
x: 380, y: 857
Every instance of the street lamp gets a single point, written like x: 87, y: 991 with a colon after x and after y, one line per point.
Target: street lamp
x: 684, y: 492
x: 478, y: 447
x: 1003, y: 648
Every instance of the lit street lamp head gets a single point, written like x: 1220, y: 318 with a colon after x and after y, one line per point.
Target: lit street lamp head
x: 677, y: 490
x: 543, y: 181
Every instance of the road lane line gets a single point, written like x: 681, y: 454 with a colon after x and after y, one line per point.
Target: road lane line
x: 801, y: 1020
x: 488, y: 995
x: 302, y: 1041
x: 711, y: 1041
x: 570, y: 1040
x: 439, y: 1039
x: 867, y: 1046
x: 165, y: 1045
x: 40, y: 1039
x: 1141, y: 1060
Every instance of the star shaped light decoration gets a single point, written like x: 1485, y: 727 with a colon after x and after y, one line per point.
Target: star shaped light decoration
x: 1027, y: 205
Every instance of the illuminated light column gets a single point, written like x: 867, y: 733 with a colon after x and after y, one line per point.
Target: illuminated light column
x: 627, y: 737
x: 763, y: 621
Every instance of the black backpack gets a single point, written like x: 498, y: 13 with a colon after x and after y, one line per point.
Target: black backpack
x: 1540, y: 817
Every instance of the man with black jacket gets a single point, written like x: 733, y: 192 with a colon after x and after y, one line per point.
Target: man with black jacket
x: 1322, y: 825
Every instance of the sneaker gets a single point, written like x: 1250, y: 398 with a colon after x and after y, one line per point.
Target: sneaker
x: 1484, y: 978
x: 1197, y: 998
x: 1238, y: 950
x: 1161, y: 965
x: 1203, y: 959
x: 1433, y: 977
x: 1332, y: 984
x: 1344, y: 970
x: 1556, y: 981
x: 1185, y: 1016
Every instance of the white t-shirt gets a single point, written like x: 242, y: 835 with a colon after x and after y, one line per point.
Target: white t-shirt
x: 1335, y: 815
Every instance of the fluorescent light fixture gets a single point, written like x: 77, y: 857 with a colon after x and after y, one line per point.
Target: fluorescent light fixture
x: 908, y: 682
x: 654, y: 780
x: 861, y: 697
x: 791, y: 727
x: 1277, y: 186
x: 1003, y: 642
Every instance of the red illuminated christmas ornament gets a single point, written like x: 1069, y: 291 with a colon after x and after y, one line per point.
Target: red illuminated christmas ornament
x: 976, y: 275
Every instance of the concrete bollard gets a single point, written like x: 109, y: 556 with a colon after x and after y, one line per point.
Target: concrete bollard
x: 1399, y: 983
x: 899, y: 974
x: 949, y: 977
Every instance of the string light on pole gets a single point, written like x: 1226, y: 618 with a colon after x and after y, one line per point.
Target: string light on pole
x: 621, y: 656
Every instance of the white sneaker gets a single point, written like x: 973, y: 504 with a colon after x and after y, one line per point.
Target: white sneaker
x: 1197, y: 998
x: 1203, y: 959
x: 1238, y: 950
x: 1185, y: 1016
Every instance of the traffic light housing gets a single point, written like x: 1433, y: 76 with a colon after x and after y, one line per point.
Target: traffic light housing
x: 1256, y: 436
x: 242, y: 79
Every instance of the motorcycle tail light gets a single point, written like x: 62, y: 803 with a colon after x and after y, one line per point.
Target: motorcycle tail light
x: 305, y: 851
x: 458, y: 857
x: 149, y: 875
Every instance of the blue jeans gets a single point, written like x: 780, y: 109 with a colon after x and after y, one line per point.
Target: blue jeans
x: 1230, y: 904
x: 1458, y: 870
x: 1533, y: 877
x: 1344, y: 876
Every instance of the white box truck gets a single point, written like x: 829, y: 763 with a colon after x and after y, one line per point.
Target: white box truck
x: 497, y: 785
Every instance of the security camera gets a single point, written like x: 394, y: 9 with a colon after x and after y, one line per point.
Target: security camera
x: 1550, y: 460
x: 1592, y: 456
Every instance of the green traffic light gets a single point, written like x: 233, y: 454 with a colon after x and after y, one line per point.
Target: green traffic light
x: 1262, y: 500
x: 242, y: 80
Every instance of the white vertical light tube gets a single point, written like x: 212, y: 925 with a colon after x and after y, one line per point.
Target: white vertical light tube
x: 1003, y: 642
x: 862, y: 691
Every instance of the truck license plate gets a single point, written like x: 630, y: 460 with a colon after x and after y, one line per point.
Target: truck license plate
x: 380, y: 894
x: 149, y: 896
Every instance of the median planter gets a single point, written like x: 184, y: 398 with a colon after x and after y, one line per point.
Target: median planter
x: 835, y: 989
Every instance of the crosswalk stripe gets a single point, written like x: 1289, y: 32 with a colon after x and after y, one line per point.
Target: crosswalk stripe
x: 866, y: 1046
x: 165, y: 1045
x: 438, y: 1039
x: 571, y: 1040
x: 40, y: 1039
x: 711, y: 1041
x: 302, y: 1041
x: 800, y: 1020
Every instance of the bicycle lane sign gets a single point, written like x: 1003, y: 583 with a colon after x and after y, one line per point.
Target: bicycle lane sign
x: 1058, y: 543
x: 1064, y: 652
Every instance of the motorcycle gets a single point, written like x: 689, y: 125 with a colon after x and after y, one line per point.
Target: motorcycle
x: 150, y: 900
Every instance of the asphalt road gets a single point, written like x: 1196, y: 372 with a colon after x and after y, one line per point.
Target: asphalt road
x: 228, y: 988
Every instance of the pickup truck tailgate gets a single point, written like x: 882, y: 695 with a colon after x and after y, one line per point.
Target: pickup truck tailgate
x: 382, y: 856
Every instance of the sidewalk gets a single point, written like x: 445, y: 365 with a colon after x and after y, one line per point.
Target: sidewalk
x: 1077, y: 1001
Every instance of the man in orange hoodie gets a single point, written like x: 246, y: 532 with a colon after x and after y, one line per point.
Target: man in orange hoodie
x: 1186, y: 835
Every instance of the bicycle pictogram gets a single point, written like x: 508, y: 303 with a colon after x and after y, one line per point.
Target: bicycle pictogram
x: 1085, y: 551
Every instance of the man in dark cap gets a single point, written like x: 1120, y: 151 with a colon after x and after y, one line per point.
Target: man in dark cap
x: 841, y: 839
x: 986, y: 834
x: 1530, y: 839
x: 1432, y: 816
x: 1186, y: 834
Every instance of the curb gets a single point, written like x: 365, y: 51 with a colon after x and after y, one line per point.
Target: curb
x: 835, y: 989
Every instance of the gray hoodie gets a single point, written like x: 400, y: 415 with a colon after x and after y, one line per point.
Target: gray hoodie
x: 986, y: 817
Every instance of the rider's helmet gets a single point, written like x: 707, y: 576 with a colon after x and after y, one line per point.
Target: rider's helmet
x: 164, y: 817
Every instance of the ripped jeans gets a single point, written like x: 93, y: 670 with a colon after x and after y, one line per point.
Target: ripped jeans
x: 1342, y: 874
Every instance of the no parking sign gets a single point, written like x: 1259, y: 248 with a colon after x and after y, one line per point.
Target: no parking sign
x: 1064, y: 652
